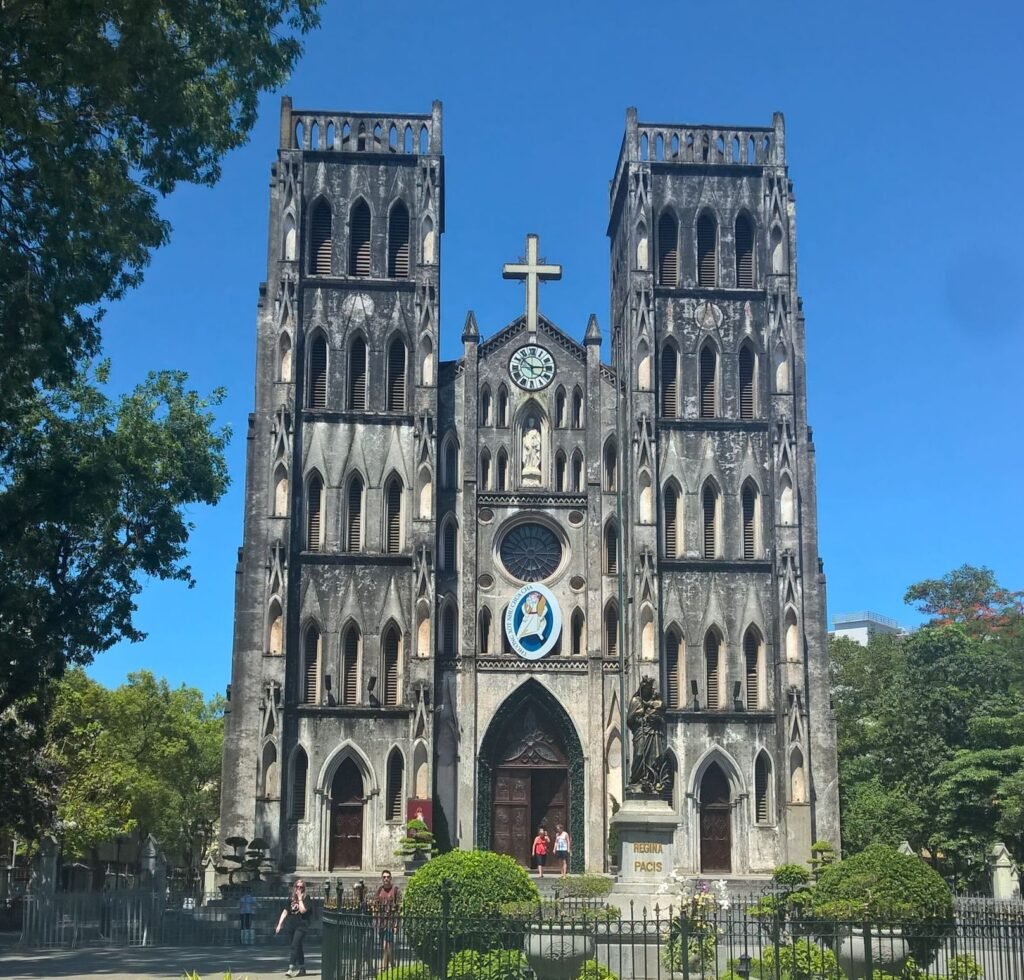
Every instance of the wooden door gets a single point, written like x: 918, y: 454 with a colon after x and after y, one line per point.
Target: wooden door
x: 347, y: 836
x: 512, y: 814
x: 550, y: 800
x: 715, y: 822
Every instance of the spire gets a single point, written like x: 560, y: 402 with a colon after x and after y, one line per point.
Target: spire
x: 470, y: 331
x: 593, y: 334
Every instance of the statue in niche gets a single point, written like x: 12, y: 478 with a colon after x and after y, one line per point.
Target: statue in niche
x: 648, y: 772
x: 531, y: 454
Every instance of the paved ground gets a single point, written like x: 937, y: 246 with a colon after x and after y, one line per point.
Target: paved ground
x: 211, y: 963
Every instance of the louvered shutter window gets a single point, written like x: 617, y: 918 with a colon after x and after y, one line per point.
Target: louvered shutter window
x: 711, y: 662
x: 359, y: 240
x: 448, y: 544
x: 672, y: 668
x: 311, y: 671
x: 611, y: 550
x: 318, y: 373
x: 609, y: 466
x: 669, y: 382
x: 357, y: 375
x: 300, y: 769
x: 355, y: 514
x: 668, y: 251
x: 762, y: 772
x: 396, y: 376
x: 746, y: 383
x: 313, y: 516
x: 350, y: 668
x: 393, y: 803
x: 448, y: 630
x: 707, y: 254
x: 749, y: 525
x: 708, y: 365
x: 398, y: 243
x: 393, y: 517
x: 611, y: 632
x: 391, y: 667
x: 744, y: 253
x: 751, y: 649
x: 320, y: 236
x: 710, y: 503
x: 671, y: 523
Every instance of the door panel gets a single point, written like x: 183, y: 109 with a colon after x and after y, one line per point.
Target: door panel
x: 550, y: 796
x: 512, y: 814
x: 347, y: 837
x: 715, y: 839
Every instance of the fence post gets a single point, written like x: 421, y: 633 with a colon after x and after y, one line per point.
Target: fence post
x: 869, y: 959
x: 776, y: 945
x: 684, y: 944
x: 446, y: 911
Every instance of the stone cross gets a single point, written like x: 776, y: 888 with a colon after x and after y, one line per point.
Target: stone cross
x: 532, y: 271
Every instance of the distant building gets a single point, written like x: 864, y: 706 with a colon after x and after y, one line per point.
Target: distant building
x: 861, y: 626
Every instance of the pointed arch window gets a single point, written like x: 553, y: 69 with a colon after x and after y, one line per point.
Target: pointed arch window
x: 449, y: 547
x: 577, y: 472
x: 708, y: 387
x: 713, y: 670
x: 752, y: 667
x: 674, y: 659
x: 577, y: 409
x: 502, y: 420
x: 486, y: 408
x: 560, y: 406
x: 397, y: 360
x: 792, y: 637
x: 610, y: 461
x: 749, y: 506
x: 393, y: 516
x: 744, y: 252
x: 357, y: 375
x: 747, y: 385
x: 275, y: 632
x: 284, y: 358
x: 611, y: 549
x: 359, y: 240
x: 672, y: 536
x: 396, y: 777
x: 449, y: 630
x: 391, y: 645
x: 669, y: 382
x: 398, y: 242
x: 709, y: 509
x: 317, y: 397
x: 611, y: 631
x: 321, y: 244
x: 314, y: 515
x: 268, y: 771
x: 354, y: 516
x: 707, y: 251
x: 311, y: 666
x: 561, y: 472
x: 281, y: 491
x: 450, y: 465
x: 668, y: 250
x: 485, y: 630
x: 502, y: 470
x: 485, y: 469
x: 300, y: 770
x: 762, y: 788
x: 579, y: 641
x: 350, y: 666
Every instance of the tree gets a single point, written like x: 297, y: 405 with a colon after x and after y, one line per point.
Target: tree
x: 969, y: 596
x: 106, y: 104
x: 141, y: 758
x: 93, y: 495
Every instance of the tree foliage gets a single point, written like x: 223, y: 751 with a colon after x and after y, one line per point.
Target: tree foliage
x: 141, y: 758
x: 104, y: 105
x: 931, y: 742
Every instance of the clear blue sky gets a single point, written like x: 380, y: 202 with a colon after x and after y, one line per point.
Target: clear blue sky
x: 905, y: 137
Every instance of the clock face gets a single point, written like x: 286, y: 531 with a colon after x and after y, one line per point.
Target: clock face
x: 532, y: 367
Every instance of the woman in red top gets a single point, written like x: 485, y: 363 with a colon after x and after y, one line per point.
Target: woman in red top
x: 540, y: 850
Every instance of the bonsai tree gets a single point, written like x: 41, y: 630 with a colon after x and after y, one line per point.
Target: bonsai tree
x: 418, y: 842
x: 252, y: 857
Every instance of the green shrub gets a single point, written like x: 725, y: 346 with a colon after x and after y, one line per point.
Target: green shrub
x: 498, y: 964
x: 593, y: 970
x: 414, y: 971
x: 481, y: 882
x: 585, y: 886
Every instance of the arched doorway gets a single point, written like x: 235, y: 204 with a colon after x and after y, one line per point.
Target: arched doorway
x: 530, y: 771
x: 347, y: 817
x: 715, y: 821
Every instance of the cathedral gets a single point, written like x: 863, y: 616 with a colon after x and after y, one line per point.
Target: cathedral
x: 456, y: 574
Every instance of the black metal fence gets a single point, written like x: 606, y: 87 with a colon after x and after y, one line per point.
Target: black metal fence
x: 137, y: 917
x: 730, y: 944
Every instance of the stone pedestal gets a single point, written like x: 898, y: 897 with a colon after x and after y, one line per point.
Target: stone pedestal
x: 1005, y: 874
x: 646, y: 826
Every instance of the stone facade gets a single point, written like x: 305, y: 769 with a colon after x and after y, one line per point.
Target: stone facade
x: 402, y: 514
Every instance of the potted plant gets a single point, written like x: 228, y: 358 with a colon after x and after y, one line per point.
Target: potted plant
x: 417, y: 846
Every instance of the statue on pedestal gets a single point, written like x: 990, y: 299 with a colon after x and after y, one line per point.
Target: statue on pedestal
x: 531, y: 454
x: 648, y: 772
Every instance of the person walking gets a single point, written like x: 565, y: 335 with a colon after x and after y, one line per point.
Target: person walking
x: 297, y: 914
x: 385, y: 908
x: 562, y: 847
x: 540, y: 850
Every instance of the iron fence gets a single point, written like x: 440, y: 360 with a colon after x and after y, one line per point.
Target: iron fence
x: 731, y: 944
